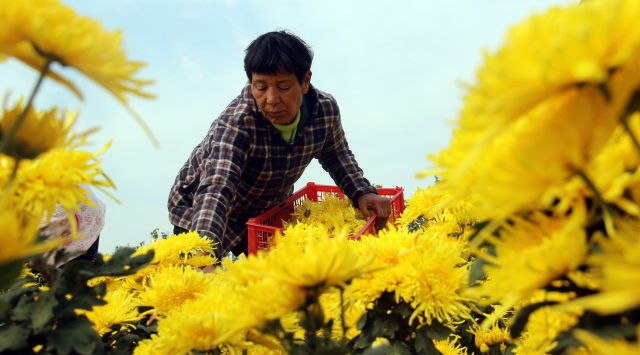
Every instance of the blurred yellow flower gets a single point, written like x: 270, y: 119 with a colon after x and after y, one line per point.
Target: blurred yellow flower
x: 600, y: 346
x: 379, y: 342
x: 120, y: 309
x: 615, y: 271
x: 39, y: 32
x: 269, y: 299
x: 530, y: 254
x: 38, y: 133
x: 54, y: 177
x: 203, y: 324
x: 55, y: 32
x: 545, y: 104
x: 543, y: 328
x: 18, y: 236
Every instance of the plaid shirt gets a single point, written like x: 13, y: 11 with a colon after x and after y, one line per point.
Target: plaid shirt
x: 244, y: 166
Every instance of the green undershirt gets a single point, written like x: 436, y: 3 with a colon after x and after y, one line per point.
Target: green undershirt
x: 288, y: 131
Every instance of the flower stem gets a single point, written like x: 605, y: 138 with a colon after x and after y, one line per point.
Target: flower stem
x: 344, y: 328
x: 593, y: 188
x: 4, y: 142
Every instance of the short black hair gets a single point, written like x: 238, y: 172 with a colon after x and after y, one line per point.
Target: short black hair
x: 278, y: 51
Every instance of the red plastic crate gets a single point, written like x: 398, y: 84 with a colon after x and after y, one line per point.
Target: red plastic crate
x: 263, y: 228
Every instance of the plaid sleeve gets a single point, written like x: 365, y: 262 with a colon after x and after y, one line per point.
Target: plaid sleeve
x: 338, y: 160
x: 226, y: 153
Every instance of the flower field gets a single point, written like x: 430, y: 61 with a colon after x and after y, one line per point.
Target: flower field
x: 528, y: 242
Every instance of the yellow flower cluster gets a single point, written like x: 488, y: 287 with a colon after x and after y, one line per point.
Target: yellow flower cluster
x: 205, y: 312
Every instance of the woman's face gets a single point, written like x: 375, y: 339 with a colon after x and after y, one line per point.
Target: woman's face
x: 279, y: 96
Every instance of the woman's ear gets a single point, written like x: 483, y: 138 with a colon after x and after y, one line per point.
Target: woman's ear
x: 306, y: 81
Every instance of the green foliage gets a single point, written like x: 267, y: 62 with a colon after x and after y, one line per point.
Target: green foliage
x: 37, y: 316
x: 390, y: 320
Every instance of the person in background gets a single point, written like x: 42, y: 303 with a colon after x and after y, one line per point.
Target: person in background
x: 90, y: 221
x: 261, y: 144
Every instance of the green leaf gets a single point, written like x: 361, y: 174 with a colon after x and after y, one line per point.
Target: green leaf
x: 13, y: 337
x: 42, y: 311
x: 509, y: 349
x: 399, y: 348
x: 404, y: 309
x: 331, y: 350
x: 380, y: 350
x: 424, y: 344
x: 476, y: 272
x: 389, y: 327
x: 522, y: 317
x: 9, y: 272
x: 152, y: 328
x: 77, y: 335
x: 437, y: 331
x: 125, y: 342
x: 122, y: 263
x: 84, y: 298
x: 63, y: 256
x: 362, y: 321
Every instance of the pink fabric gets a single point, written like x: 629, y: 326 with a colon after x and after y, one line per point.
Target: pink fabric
x: 90, y: 220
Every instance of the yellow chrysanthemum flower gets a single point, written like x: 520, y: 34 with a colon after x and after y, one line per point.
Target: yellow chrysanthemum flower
x: 203, y: 324
x: 11, y: 44
x: 615, y: 271
x: 38, y: 133
x: 270, y: 299
x: 266, y: 297
x: 424, y: 270
x: 18, y: 236
x: 530, y: 254
x: 325, y: 262
x: 55, y: 32
x: 38, y: 32
x: 484, y: 338
x: 543, y: 328
x: 441, y: 277
x: 450, y: 347
x: 53, y: 178
x: 524, y: 133
x: 120, y: 309
x: 171, y: 286
x: 423, y: 204
x: 599, y: 346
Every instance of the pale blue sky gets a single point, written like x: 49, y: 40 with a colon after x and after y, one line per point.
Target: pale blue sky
x: 395, y: 68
